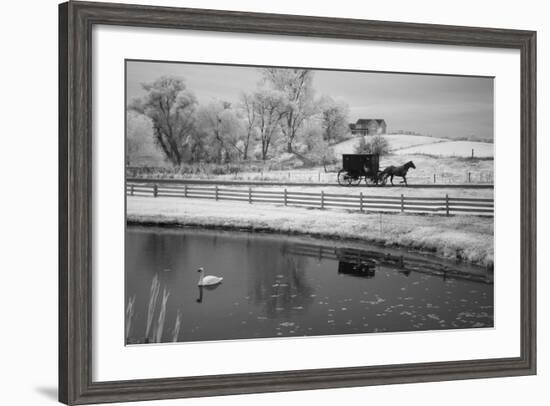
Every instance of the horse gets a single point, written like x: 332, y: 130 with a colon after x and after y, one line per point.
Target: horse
x: 392, y: 171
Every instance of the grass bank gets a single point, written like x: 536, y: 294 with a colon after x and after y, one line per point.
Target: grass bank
x: 467, y: 238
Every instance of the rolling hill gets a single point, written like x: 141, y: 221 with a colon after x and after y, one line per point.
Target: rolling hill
x: 404, y: 144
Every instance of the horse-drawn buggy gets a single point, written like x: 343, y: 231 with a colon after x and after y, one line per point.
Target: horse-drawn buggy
x: 358, y: 167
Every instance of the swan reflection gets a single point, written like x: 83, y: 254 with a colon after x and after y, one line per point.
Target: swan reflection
x: 206, y: 287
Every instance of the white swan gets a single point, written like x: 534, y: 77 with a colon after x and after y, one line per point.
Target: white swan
x: 209, y: 279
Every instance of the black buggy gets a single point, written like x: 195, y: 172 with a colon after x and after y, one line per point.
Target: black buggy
x: 356, y: 167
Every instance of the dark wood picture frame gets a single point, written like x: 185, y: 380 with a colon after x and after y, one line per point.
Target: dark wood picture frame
x: 76, y: 20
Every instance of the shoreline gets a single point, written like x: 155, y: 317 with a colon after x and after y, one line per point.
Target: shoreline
x: 326, y: 240
x: 449, y: 238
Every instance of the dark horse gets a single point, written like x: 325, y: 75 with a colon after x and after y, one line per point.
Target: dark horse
x: 392, y: 171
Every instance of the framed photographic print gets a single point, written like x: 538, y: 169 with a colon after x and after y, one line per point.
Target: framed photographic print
x: 259, y: 202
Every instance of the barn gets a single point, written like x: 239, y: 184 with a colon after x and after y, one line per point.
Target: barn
x: 368, y: 126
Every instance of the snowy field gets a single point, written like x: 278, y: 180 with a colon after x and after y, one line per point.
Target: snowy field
x: 446, y: 171
x: 449, y: 237
x: 404, y: 144
x: 452, y: 149
x: 437, y: 160
x: 396, y: 141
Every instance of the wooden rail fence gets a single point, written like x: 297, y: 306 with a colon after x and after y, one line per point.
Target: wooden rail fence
x: 362, y: 202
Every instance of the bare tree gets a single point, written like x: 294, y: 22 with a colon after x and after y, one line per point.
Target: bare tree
x: 247, y: 103
x: 268, y: 105
x: 171, y: 108
x: 296, y: 85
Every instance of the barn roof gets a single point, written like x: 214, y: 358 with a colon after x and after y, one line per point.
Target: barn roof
x: 367, y: 121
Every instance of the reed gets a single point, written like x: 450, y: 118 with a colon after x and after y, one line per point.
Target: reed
x: 153, y: 296
x: 176, y: 330
x: 130, y: 315
x: 162, y: 317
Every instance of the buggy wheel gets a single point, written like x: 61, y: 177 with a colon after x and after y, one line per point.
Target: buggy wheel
x: 343, y: 178
x: 354, y: 181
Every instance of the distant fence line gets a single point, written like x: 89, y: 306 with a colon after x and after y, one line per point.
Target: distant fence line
x: 231, y: 182
x: 363, y: 202
x: 315, y: 176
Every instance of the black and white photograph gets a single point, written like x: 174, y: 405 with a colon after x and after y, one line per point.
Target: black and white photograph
x: 272, y: 202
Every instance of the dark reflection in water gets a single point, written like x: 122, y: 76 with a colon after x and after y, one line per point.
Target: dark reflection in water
x: 277, y: 286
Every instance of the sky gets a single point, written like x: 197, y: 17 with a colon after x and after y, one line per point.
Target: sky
x: 437, y: 105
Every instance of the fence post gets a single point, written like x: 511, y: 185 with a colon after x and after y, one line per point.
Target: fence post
x: 402, y: 203
x: 361, y: 202
x: 250, y: 195
x: 472, y: 153
x: 131, y: 190
x: 322, y: 199
x: 447, y: 204
x: 319, y: 176
x: 469, y: 177
x: 155, y: 190
x: 185, y: 190
x: 216, y: 190
x: 285, y: 197
x: 434, y: 177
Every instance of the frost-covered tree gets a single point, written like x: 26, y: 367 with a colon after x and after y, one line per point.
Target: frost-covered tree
x: 171, y: 108
x: 223, y: 129
x: 140, y: 143
x: 373, y: 145
x: 312, y: 146
x: 334, y: 120
x: 299, y: 103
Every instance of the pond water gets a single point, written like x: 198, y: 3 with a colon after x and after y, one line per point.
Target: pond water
x: 281, y: 286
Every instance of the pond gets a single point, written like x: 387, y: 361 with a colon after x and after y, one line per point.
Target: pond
x: 283, y: 286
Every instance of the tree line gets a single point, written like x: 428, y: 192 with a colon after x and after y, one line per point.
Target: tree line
x: 281, y: 115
